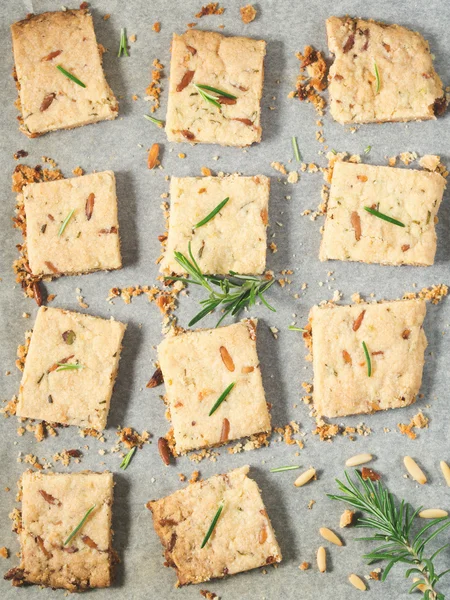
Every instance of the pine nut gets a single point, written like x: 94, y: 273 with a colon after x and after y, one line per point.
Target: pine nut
x: 322, y: 559
x: 414, y: 470
x: 445, y: 471
x: 433, y: 513
x: 330, y: 536
x: 357, y: 582
x: 305, y: 477
x: 358, y: 459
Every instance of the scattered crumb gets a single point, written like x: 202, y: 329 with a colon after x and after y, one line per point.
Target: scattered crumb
x: 4, y: 552
x: 346, y: 518
x: 153, y: 90
x: 305, y: 566
x: 419, y: 421
x: 78, y: 171
x: 248, y: 13
x: 212, y: 8
x: 430, y: 162
x: 308, y: 86
x: 434, y: 294
x: 209, y: 595
x: 156, y: 26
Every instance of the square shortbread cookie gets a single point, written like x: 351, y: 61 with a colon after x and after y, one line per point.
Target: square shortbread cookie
x: 48, y: 99
x: 395, y: 341
x: 234, y: 239
x: 70, y: 368
x: 242, y: 539
x: 90, y: 239
x: 411, y: 197
x: 230, y: 64
x: 198, y: 366
x: 407, y: 87
x: 52, y: 507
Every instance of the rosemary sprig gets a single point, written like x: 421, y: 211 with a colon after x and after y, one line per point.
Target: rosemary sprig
x: 65, y: 222
x: 211, y: 94
x: 79, y: 526
x: 213, y: 524
x: 377, y: 76
x: 232, y: 294
x: 70, y: 76
x: 368, y: 361
x: 126, y: 459
x: 297, y: 155
x: 69, y: 366
x: 294, y: 328
x: 380, y: 215
x: 288, y: 468
x: 212, y: 214
x: 123, y: 43
x: 154, y: 120
x: 221, y: 398
x: 401, y: 540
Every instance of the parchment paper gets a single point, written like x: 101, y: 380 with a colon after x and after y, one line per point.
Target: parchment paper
x: 121, y: 145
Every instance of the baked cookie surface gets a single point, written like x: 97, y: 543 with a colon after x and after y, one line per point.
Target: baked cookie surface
x: 70, y: 368
x: 53, y: 505
x: 409, y: 196
x: 198, y: 366
x: 380, y: 73
x: 89, y: 241
x: 234, y: 239
x: 242, y: 539
x: 48, y: 99
x: 395, y: 341
x: 233, y: 65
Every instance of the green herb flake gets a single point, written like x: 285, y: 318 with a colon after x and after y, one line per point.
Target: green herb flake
x: 70, y: 76
x: 377, y: 76
x: 367, y: 149
x: 212, y: 214
x: 126, y: 460
x: 213, y: 524
x: 65, y: 222
x: 368, y: 360
x: 380, y: 215
x: 69, y: 367
x: 233, y: 295
x: 297, y: 155
x: 288, y: 468
x: 79, y: 526
x: 294, y: 328
x: 123, y: 49
x: 221, y: 398
x: 396, y: 527
x: 154, y: 120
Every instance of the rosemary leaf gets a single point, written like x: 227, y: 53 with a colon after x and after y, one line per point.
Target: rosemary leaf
x: 368, y: 360
x: 221, y: 398
x: 395, y: 526
x: 154, y: 120
x: 213, y: 524
x: 377, y: 76
x: 294, y: 328
x: 212, y: 214
x: 70, y: 76
x: 298, y: 158
x: 380, y: 215
x: 207, y: 97
x: 65, y: 222
x: 79, y: 526
x: 367, y: 149
x: 69, y: 367
x: 123, y: 43
x: 208, y: 88
x: 280, y: 469
x: 126, y: 459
